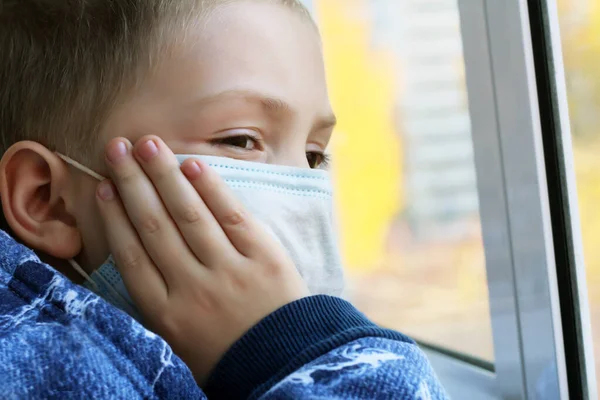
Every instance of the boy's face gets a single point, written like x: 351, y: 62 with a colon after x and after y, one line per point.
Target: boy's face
x: 252, y: 86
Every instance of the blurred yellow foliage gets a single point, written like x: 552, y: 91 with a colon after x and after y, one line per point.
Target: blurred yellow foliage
x: 580, y: 31
x: 424, y: 288
x: 366, y: 149
x: 587, y: 164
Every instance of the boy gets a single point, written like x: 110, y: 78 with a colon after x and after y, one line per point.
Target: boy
x: 240, y: 79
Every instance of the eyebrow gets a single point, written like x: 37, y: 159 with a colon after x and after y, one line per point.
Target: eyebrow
x: 271, y: 105
x: 325, y: 123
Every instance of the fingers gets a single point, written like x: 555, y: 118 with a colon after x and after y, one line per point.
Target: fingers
x: 134, y: 263
x: 242, y: 230
x: 144, y: 208
x: 195, y: 221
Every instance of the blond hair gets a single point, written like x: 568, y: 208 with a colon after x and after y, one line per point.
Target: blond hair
x: 65, y: 64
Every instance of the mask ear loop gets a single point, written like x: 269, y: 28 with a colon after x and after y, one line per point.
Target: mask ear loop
x: 81, y: 167
x: 130, y: 309
x: 98, y: 177
x: 73, y: 263
x: 81, y: 272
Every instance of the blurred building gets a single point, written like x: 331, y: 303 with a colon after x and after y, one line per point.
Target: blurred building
x: 433, y: 115
x: 431, y: 111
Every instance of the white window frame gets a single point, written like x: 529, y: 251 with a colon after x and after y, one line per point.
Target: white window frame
x: 530, y: 359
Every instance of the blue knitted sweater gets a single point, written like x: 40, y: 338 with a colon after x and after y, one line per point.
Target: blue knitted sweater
x: 60, y: 341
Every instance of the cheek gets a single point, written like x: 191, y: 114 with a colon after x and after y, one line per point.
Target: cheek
x: 91, y: 226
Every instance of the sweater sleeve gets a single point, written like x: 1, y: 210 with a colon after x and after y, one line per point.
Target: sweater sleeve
x: 322, y: 347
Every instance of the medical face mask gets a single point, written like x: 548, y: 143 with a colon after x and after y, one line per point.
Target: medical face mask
x: 294, y: 205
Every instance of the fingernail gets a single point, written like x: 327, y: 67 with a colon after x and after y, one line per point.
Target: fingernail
x: 191, y: 170
x: 105, y: 191
x: 147, y: 150
x: 116, y: 152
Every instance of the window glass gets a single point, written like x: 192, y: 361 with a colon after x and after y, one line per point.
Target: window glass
x: 580, y: 32
x: 404, y: 170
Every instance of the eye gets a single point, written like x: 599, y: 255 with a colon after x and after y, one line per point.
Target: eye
x: 317, y: 160
x: 245, y: 142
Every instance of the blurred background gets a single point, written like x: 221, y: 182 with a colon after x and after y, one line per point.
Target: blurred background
x: 404, y: 170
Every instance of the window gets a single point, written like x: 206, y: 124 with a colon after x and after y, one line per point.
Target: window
x: 404, y: 170
x: 458, y: 196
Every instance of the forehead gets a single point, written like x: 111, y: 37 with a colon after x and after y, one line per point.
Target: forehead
x: 250, y: 45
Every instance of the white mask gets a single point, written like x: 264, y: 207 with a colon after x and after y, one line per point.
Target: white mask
x: 294, y: 204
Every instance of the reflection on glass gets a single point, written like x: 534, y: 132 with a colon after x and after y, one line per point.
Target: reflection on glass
x: 404, y: 170
x: 580, y: 32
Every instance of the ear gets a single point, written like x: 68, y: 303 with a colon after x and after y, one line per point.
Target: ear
x: 33, y: 190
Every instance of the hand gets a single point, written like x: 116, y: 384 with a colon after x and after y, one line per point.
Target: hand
x: 200, y: 269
